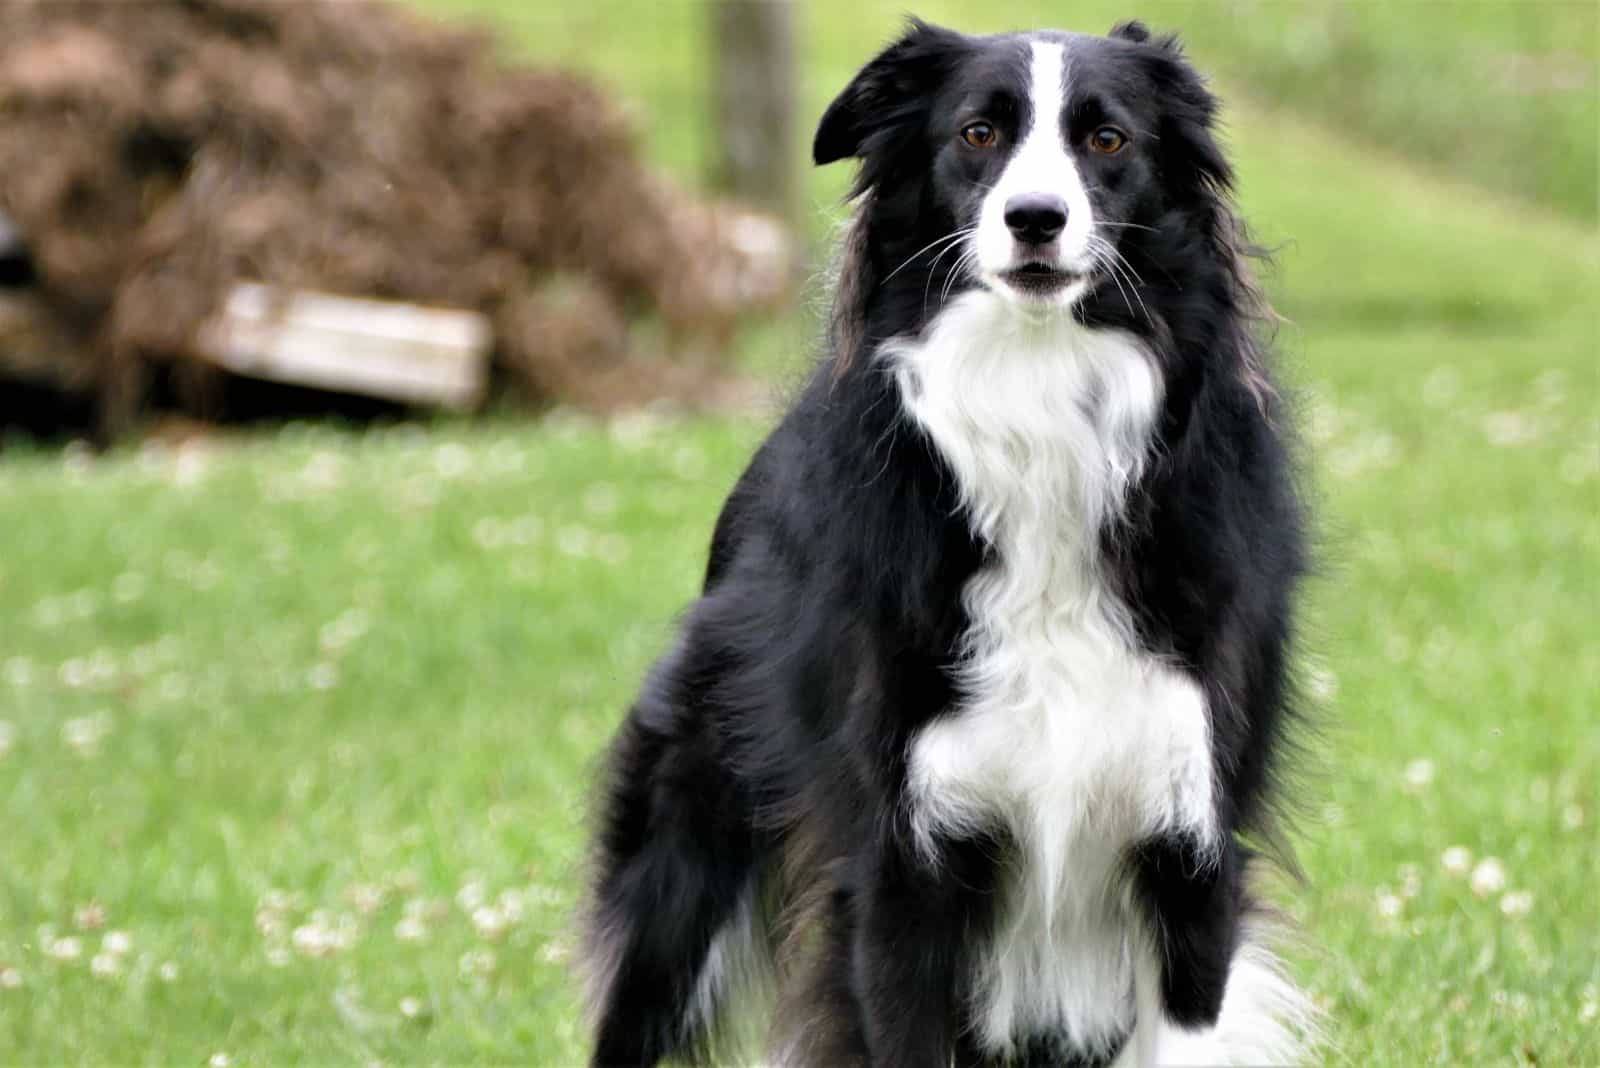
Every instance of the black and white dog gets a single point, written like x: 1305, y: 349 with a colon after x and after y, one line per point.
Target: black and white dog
x: 988, y: 677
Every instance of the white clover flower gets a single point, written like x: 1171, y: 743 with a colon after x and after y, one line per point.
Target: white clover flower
x: 315, y: 940
x: 406, y: 880
x: 366, y: 897
x: 67, y: 949
x: 1489, y: 877
x: 1419, y: 773
x: 490, y: 923
x: 635, y: 430
x: 83, y: 734
x: 1389, y: 904
x: 476, y: 962
x: 451, y: 460
x: 77, y: 456
x: 270, y: 922
x: 168, y: 972
x: 1510, y: 429
x: 104, y: 966
x: 1457, y: 860
x: 511, y: 905
x: 323, y: 472
x: 10, y: 978
x: 542, y: 895
x: 410, y: 1008
x: 190, y: 468
x: 1517, y: 903
x: 277, y: 900
x: 340, y: 632
x: 411, y: 929
x: 220, y: 1060
x: 117, y: 943
x: 19, y: 672
x: 472, y: 894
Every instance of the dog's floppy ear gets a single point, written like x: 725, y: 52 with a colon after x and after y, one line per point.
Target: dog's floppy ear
x: 1137, y: 32
x: 1189, y: 150
x: 1132, y: 30
x: 888, y: 93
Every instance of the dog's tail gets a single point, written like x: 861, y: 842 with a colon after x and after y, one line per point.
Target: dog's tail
x: 672, y: 925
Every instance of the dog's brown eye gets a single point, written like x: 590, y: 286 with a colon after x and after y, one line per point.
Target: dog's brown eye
x: 1108, y: 140
x: 980, y: 135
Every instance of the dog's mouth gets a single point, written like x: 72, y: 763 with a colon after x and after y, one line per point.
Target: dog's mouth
x: 1040, y: 279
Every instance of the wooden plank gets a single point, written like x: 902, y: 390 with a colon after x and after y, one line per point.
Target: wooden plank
x: 386, y: 349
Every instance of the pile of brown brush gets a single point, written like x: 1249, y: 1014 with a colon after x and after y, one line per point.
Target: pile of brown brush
x: 155, y: 153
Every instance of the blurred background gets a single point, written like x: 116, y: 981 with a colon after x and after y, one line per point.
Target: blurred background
x: 370, y: 376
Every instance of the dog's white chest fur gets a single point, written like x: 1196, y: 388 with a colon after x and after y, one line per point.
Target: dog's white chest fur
x: 1068, y: 737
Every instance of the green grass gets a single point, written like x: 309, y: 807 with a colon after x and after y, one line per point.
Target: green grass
x: 283, y: 710
x: 1505, y: 93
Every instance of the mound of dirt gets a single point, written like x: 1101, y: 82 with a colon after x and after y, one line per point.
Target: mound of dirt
x: 156, y: 153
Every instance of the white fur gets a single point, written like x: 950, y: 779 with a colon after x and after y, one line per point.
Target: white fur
x: 1069, y: 736
x: 1041, y: 163
x: 737, y: 984
x: 1265, y: 1018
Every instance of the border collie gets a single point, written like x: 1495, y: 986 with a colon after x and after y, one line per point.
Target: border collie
x: 958, y: 751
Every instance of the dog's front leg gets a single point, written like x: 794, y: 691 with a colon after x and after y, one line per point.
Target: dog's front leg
x: 913, y: 924
x: 1192, y: 900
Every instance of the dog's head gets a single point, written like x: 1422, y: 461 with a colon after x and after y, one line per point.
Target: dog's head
x: 1037, y: 166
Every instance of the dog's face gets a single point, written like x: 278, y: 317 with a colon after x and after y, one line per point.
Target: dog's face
x: 1030, y: 162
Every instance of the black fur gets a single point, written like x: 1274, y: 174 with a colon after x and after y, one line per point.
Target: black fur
x: 768, y: 747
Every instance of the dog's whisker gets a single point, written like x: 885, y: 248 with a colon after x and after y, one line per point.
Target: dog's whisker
x: 1116, y: 265
x: 951, y: 237
x: 956, y: 268
x: 1110, y: 270
x: 1112, y: 251
x: 1116, y: 269
x: 928, y: 282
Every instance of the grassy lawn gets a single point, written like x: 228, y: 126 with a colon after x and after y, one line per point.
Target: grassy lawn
x: 1502, y: 92
x: 295, y: 730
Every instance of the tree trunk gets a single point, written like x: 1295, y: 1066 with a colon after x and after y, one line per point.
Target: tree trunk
x: 753, y: 81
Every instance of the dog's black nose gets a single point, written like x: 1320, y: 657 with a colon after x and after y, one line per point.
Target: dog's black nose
x: 1036, y: 217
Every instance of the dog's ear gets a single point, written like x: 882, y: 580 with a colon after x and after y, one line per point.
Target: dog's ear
x: 1132, y: 30
x: 888, y: 94
x: 1189, y: 151
x: 1137, y: 32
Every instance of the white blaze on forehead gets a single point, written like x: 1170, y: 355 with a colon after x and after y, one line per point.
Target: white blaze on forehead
x: 1042, y: 163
